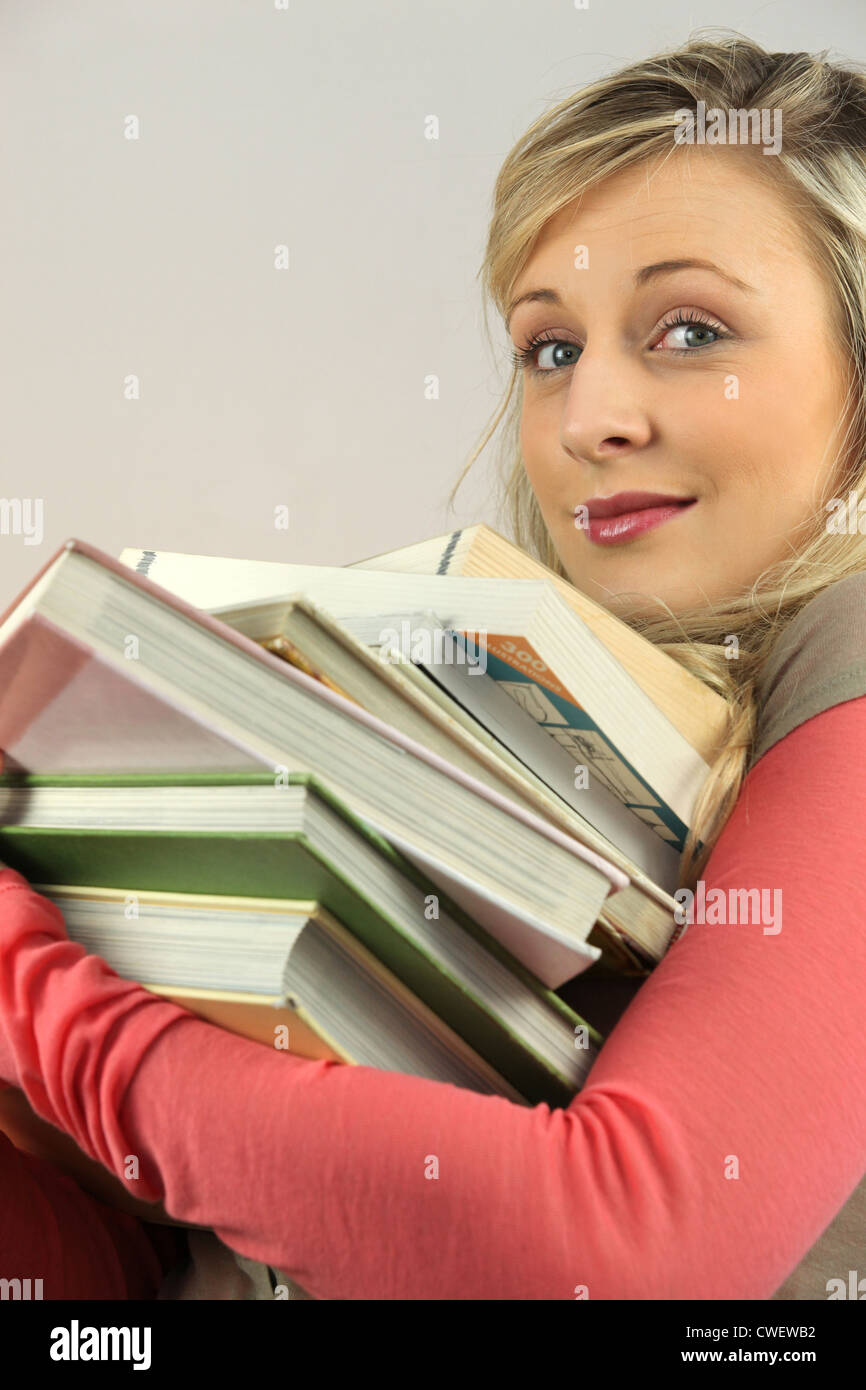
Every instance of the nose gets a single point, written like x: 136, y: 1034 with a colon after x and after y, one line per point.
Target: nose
x: 605, y: 413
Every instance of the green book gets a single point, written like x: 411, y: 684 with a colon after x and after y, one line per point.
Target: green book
x: 240, y: 835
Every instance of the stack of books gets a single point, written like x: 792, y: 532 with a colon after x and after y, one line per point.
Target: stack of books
x: 382, y: 814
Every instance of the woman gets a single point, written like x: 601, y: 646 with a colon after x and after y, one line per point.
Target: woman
x: 717, y: 1147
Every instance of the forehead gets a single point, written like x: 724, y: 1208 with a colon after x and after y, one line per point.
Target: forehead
x: 713, y: 202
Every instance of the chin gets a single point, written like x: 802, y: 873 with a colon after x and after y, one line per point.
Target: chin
x: 642, y: 600
x: 630, y: 606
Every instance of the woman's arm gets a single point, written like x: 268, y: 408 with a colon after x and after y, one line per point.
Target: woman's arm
x: 32, y: 1135
x: 720, y: 1130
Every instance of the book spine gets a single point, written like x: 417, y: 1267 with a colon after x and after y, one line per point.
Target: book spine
x: 444, y: 565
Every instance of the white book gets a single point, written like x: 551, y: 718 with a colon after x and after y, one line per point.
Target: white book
x: 536, y: 647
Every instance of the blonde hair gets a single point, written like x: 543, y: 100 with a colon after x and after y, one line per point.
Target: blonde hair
x: 622, y: 120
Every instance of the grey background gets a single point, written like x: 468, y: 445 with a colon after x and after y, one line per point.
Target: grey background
x: 260, y: 126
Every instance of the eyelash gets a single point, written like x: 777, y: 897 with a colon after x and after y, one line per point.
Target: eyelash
x: 524, y: 357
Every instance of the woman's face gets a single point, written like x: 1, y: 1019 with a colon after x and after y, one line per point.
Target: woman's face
x: 738, y: 409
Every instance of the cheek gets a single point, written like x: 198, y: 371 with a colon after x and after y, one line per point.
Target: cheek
x: 540, y: 422
x: 547, y: 484
x: 535, y: 453
x: 529, y: 441
x: 778, y: 428
x: 736, y: 447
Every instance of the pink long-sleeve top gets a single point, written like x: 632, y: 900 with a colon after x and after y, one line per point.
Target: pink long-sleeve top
x: 721, y: 1129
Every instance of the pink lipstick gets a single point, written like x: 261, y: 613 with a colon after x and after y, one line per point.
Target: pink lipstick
x: 629, y: 514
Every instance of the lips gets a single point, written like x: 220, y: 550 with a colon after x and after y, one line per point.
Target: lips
x: 623, y: 502
x: 628, y: 515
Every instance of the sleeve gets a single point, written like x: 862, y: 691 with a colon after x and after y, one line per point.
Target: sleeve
x: 818, y: 660
x: 716, y: 1136
x: 69, y: 1245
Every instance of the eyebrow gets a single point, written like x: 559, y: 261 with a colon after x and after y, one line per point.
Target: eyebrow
x: 641, y: 277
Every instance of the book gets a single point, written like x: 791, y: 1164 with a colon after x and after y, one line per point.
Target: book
x: 310, y: 989
x: 284, y: 972
x: 542, y: 654
x: 504, y: 744
x: 692, y: 707
x: 242, y: 838
x: 481, y: 552
x: 181, y: 833
x: 101, y: 669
